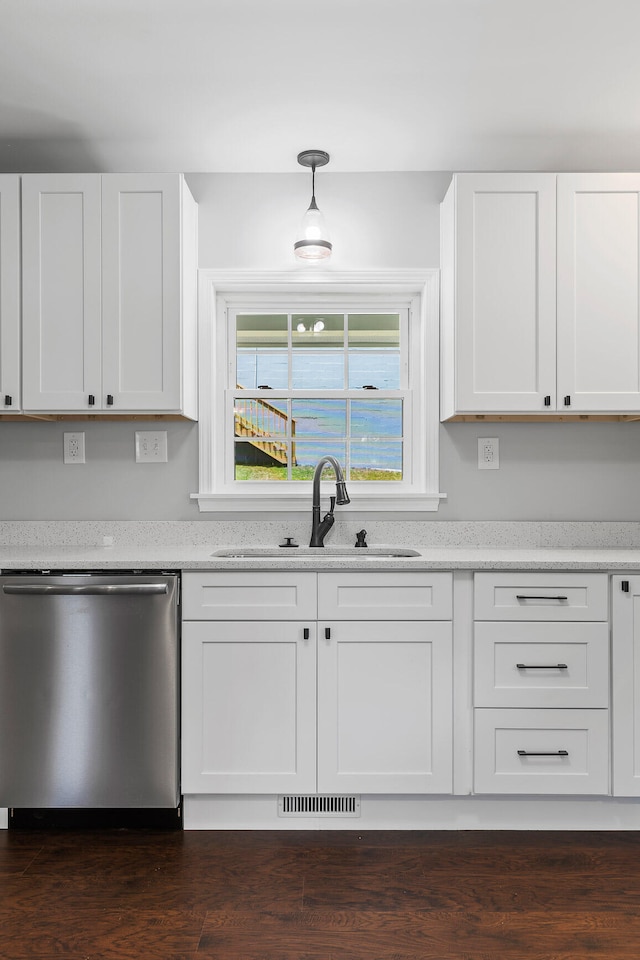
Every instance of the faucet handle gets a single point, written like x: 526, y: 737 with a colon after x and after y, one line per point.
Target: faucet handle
x: 332, y: 501
x: 361, y: 538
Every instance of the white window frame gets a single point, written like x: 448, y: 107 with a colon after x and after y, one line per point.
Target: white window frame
x: 417, y: 290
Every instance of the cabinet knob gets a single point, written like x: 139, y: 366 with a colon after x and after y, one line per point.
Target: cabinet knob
x: 8, y: 400
x: 91, y: 400
x: 109, y: 399
x: 567, y: 401
x: 547, y: 400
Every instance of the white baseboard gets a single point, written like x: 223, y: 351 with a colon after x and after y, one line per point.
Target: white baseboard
x: 230, y: 812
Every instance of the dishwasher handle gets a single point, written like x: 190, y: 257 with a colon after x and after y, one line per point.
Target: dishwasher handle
x: 89, y: 589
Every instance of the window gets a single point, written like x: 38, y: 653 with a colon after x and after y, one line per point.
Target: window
x: 294, y: 374
x: 309, y: 384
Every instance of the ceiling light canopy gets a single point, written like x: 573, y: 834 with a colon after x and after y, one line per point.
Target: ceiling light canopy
x: 313, y: 241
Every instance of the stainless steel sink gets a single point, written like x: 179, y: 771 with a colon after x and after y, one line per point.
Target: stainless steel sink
x: 314, y: 553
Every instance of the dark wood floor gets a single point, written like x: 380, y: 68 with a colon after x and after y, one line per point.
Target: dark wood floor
x: 136, y: 895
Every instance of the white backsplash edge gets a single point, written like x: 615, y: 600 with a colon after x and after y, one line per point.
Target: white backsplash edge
x: 220, y: 533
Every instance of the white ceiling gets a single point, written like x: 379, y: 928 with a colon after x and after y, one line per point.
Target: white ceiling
x: 244, y: 85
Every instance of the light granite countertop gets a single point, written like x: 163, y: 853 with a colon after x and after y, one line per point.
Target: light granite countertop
x: 199, y: 557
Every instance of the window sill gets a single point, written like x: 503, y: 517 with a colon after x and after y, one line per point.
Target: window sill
x: 261, y: 503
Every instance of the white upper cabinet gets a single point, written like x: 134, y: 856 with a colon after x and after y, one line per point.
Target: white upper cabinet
x: 61, y: 292
x: 532, y: 263
x: 9, y: 294
x: 148, y: 269
x: 598, y: 292
x: 109, y: 280
x: 498, y: 294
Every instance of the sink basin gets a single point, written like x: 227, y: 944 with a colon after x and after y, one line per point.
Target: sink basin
x: 314, y: 553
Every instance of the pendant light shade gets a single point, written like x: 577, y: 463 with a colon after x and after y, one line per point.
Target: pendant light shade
x: 313, y: 241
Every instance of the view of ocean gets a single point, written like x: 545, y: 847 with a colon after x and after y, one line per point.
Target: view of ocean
x: 370, y: 427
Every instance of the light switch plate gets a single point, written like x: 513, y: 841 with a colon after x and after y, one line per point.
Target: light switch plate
x: 151, y: 446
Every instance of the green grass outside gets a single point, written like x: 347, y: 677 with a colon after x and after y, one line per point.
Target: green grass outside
x: 306, y: 473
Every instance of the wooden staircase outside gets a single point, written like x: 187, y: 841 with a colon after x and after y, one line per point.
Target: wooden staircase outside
x: 256, y: 420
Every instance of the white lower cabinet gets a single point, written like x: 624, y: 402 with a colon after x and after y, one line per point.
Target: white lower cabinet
x: 384, y: 707
x: 626, y: 685
x: 343, y: 682
x: 315, y: 705
x: 541, y: 683
x: 249, y: 707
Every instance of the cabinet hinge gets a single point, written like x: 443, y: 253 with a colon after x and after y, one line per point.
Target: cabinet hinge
x: 624, y: 586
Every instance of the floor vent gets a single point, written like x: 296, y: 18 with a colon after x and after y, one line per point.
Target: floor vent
x: 311, y: 805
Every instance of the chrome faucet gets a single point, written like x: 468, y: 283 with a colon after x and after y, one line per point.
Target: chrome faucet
x: 320, y: 528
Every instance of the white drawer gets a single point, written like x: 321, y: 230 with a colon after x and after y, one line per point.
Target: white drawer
x: 249, y: 596
x: 541, y: 751
x: 541, y: 596
x: 541, y: 664
x: 384, y: 596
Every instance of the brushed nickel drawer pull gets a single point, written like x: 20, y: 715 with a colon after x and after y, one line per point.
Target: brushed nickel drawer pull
x: 542, y: 666
x: 553, y: 753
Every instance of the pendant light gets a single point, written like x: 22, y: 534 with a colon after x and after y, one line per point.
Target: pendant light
x: 313, y: 239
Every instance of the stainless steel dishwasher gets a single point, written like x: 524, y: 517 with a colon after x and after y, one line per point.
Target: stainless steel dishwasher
x: 89, y: 691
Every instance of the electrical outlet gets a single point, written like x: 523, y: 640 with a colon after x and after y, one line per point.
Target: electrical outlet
x: 73, y: 447
x: 151, y: 447
x: 488, y: 453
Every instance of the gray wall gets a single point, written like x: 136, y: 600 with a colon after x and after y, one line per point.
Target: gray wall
x: 585, y: 471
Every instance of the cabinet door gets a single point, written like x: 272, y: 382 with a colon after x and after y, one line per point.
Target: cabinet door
x: 384, y: 707
x: 625, y: 669
x: 598, y: 292
x: 248, y: 707
x: 61, y: 291
x: 498, y: 264
x: 141, y: 293
x: 9, y: 294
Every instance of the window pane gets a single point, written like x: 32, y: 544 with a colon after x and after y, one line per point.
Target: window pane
x: 256, y: 418
x: 307, y: 454
x: 261, y: 460
x: 318, y: 351
x: 262, y: 370
x: 376, y: 460
x: 318, y: 371
x: 319, y: 418
x: 381, y: 370
x: 374, y: 331
x: 374, y: 351
x: 376, y: 418
x: 310, y: 330
x: 261, y: 351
